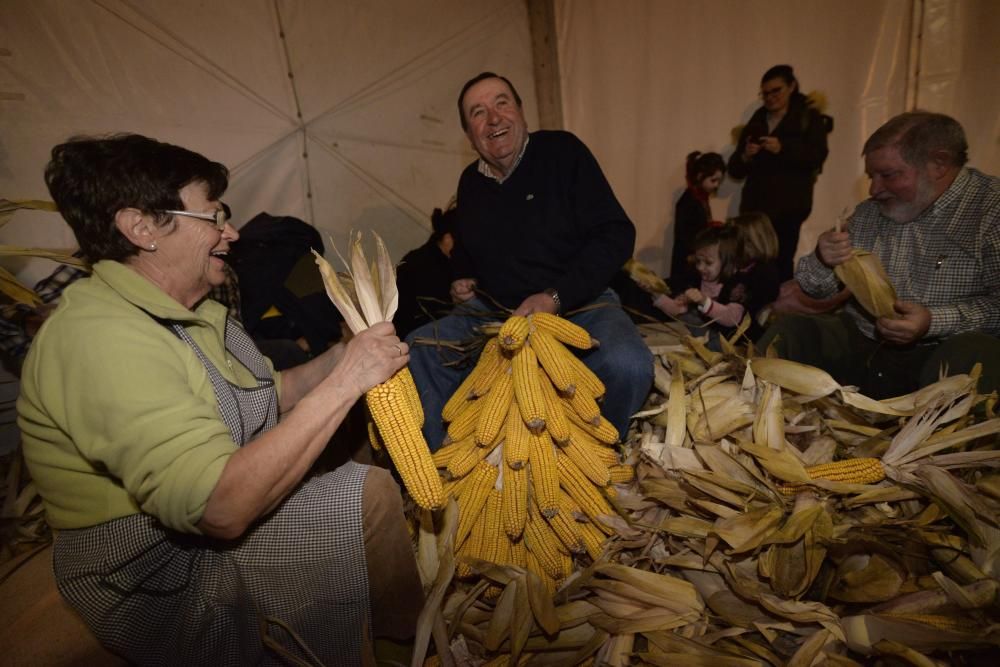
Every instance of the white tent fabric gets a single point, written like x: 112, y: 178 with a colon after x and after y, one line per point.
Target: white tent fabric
x: 646, y: 82
x: 339, y: 113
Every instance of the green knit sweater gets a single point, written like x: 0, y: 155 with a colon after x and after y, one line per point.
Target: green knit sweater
x: 117, y: 414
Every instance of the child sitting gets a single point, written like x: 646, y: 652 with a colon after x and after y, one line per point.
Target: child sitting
x: 738, y: 275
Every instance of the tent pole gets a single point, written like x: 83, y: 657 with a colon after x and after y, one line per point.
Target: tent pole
x: 545, y: 56
x: 913, y: 64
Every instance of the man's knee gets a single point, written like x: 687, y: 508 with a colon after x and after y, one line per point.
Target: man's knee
x: 959, y: 354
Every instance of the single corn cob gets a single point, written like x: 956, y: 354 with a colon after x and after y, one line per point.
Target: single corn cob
x: 645, y: 277
x: 536, y: 568
x: 567, y: 529
x: 621, y: 474
x: 517, y: 439
x: 564, y: 331
x: 404, y: 441
x: 473, y: 498
x: 528, y: 390
x: 495, y: 364
x: 865, y: 277
x: 584, y: 405
x: 603, y: 431
x: 464, y: 424
x: 462, y: 464
x: 554, y: 358
x: 581, y: 490
x: 593, y: 540
x: 607, y: 455
x: 851, y: 471
x: 446, y: 454
x: 587, y: 462
x: 513, y: 333
x: 471, y: 547
x: 544, y: 474
x: 493, y: 535
x: 543, y: 544
x: 584, y: 377
x: 555, y: 417
x: 496, y: 405
x: 504, y: 549
x: 488, y: 364
x: 518, y: 551
x: 515, y: 501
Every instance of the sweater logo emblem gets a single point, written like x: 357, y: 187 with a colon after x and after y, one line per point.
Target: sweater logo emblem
x: 529, y: 197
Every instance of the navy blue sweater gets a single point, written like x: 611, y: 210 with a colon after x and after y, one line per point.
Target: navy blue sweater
x: 555, y: 222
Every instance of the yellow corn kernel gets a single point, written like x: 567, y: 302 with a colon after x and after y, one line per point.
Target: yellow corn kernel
x: 567, y: 529
x: 488, y: 359
x: 564, y: 331
x: 554, y: 358
x: 585, y: 406
x: 373, y: 439
x: 517, y: 439
x: 621, y: 474
x: 513, y: 333
x: 555, y: 418
x: 857, y: 471
x: 602, y: 432
x: 515, y: 501
x: 464, y: 424
x: 593, y: 540
x: 535, y: 567
x: 583, y: 493
x: 496, y: 363
x: 464, y: 462
x: 496, y: 405
x: 404, y: 441
x: 587, y: 462
x: 543, y: 544
x: 544, y: 474
x: 443, y: 456
x: 492, y: 531
x: 527, y: 389
x: 473, y: 498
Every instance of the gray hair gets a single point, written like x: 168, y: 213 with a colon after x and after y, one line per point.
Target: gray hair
x: 919, y: 135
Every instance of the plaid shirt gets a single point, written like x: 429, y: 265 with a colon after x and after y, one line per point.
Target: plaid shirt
x: 947, y: 259
x: 14, y: 338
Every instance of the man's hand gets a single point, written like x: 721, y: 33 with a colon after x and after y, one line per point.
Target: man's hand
x: 834, y: 248
x: 912, y: 325
x: 770, y: 144
x: 463, y: 289
x: 752, y: 148
x: 694, y: 295
x: 538, y: 303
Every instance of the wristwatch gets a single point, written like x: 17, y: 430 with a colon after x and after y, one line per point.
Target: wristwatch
x: 551, y: 291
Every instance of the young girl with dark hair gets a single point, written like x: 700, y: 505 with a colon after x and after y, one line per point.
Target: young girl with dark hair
x: 704, y: 172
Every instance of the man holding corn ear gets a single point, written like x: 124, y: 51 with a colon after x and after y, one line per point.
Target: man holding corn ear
x: 539, y: 230
x: 935, y: 225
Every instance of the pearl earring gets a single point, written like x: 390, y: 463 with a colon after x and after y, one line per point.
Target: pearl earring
x: 152, y: 246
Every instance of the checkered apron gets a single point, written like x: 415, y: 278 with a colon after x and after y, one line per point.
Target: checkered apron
x: 292, y: 590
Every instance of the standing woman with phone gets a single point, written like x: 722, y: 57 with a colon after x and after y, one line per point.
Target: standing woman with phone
x: 780, y: 153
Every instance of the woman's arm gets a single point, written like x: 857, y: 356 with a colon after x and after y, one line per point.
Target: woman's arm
x: 260, y: 474
x: 298, y: 381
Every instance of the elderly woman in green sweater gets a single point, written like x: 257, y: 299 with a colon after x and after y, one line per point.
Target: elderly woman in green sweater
x: 187, y: 530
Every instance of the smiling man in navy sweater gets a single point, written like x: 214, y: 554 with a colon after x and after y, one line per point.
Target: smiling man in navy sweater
x: 539, y: 230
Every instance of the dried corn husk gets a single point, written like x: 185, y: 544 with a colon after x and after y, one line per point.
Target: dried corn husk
x: 865, y: 276
x: 645, y: 277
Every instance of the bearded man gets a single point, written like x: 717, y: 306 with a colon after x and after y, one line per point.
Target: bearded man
x: 935, y: 225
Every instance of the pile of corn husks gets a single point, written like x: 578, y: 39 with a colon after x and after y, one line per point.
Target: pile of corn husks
x: 727, y: 552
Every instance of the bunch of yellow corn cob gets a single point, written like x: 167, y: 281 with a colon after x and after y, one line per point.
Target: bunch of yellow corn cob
x: 528, y: 455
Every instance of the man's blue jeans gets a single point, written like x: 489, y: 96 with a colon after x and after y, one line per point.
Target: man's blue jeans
x: 623, y: 361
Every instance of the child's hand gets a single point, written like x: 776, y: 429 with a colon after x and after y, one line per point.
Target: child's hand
x: 671, y: 306
x: 694, y: 295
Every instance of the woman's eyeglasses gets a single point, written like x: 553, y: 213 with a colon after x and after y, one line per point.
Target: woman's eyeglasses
x: 219, y: 218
